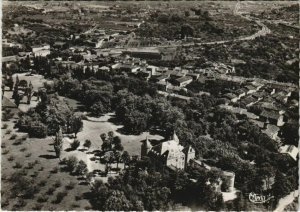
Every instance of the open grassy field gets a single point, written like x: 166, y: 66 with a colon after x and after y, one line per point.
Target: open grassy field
x: 35, y: 159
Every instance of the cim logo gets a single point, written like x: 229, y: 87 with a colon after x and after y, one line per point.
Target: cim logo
x: 258, y: 198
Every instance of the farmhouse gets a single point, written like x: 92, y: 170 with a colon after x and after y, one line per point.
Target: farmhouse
x: 272, y: 118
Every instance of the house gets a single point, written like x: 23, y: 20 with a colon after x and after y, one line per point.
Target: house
x: 240, y: 93
x: 272, y: 107
x: 169, y: 153
x: 195, y: 76
x: 272, y: 117
x: 183, y: 81
x: 290, y: 150
x: 250, y: 89
x: 248, y: 101
x: 40, y: 47
x: 232, y: 97
x: 271, y: 131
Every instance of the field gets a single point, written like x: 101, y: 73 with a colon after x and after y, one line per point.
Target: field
x: 35, y: 159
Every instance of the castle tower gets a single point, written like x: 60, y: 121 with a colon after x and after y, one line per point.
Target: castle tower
x: 146, y: 147
x: 175, y: 137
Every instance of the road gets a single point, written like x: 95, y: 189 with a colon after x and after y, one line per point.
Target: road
x: 285, y: 201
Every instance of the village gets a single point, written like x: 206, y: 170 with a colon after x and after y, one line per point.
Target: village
x: 84, y: 94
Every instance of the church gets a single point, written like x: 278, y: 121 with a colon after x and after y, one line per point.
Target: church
x: 170, y: 152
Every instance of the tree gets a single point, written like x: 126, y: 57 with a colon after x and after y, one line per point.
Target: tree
x: 81, y: 168
x: 75, y: 144
x: 76, y: 124
x: 58, y: 142
x: 103, y: 137
x: 106, y: 146
x: 117, y: 144
x: 125, y: 158
x: 117, y: 156
x: 87, y: 143
x: 71, y: 163
x: 117, y: 201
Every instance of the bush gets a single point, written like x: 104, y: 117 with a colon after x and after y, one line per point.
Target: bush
x: 37, y: 207
x: 42, y: 198
x: 18, y: 165
x: 75, y: 144
x: 54, y: 170
x: 57, y: 184
x: 70, y: 185
x: 30, y: 165
x: 36, y: 162
x: 24, y: 137
x: 14, y: 136
x: 4, y: 126
x: 38, y: 130
x: 4, y: 152
x: 42, y: 183
x: 81, y: 168
x: 50, y: 191
x: 23, y: 149
x: 8, y: 132
x: 77, y: 197
x: 60, y: 196
x: 18, y: 142
x: 28, y: 155
x: 87, y: 143
x: 11, y: 158
x: 71, y: 163
x: 41, y: 168
x: 3, y: 145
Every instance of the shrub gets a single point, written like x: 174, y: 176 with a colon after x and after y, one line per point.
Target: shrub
x: 75, y: 144
x: 37, y: 130
x: 41, y: 168
x: 35, y: 174
x: 24, y: 137
x: 18, y: 165
x: 75, y: 205
x: 54, y: 170
x: 42, y: 198
x: 37, y: 207
x: 70, y: 185
x: 8, y: 132
x: 57, y: 184
x: 42, y: 183
x: 11, y: 158
x: 81, y: 168
x: 17, y: 142
x: 87, y: 143
x: 30, y: 165
x: 50, y: 191
x: 60, y: 196
x: 28, y: 155
x: 14, y: 136
x: 77, y: 197
x: 23, y: 149
x: 4, y: 126
x: 71, y: 163
x: 4, y: 203
x: 36, y: 162
x: 3, y: 145
x: 4, y: 152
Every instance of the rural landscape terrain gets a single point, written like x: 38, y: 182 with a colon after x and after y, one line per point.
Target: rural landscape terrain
x: 150, y: 105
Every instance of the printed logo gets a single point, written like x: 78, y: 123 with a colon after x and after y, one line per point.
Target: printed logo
x: 258, y: 198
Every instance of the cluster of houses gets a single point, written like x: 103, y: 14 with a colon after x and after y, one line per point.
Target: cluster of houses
x: 265, y: 106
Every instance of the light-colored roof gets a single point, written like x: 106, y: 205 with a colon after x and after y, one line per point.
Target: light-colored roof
x: 290, y: 150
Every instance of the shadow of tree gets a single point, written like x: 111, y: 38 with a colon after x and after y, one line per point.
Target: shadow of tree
x: 48, y: 156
